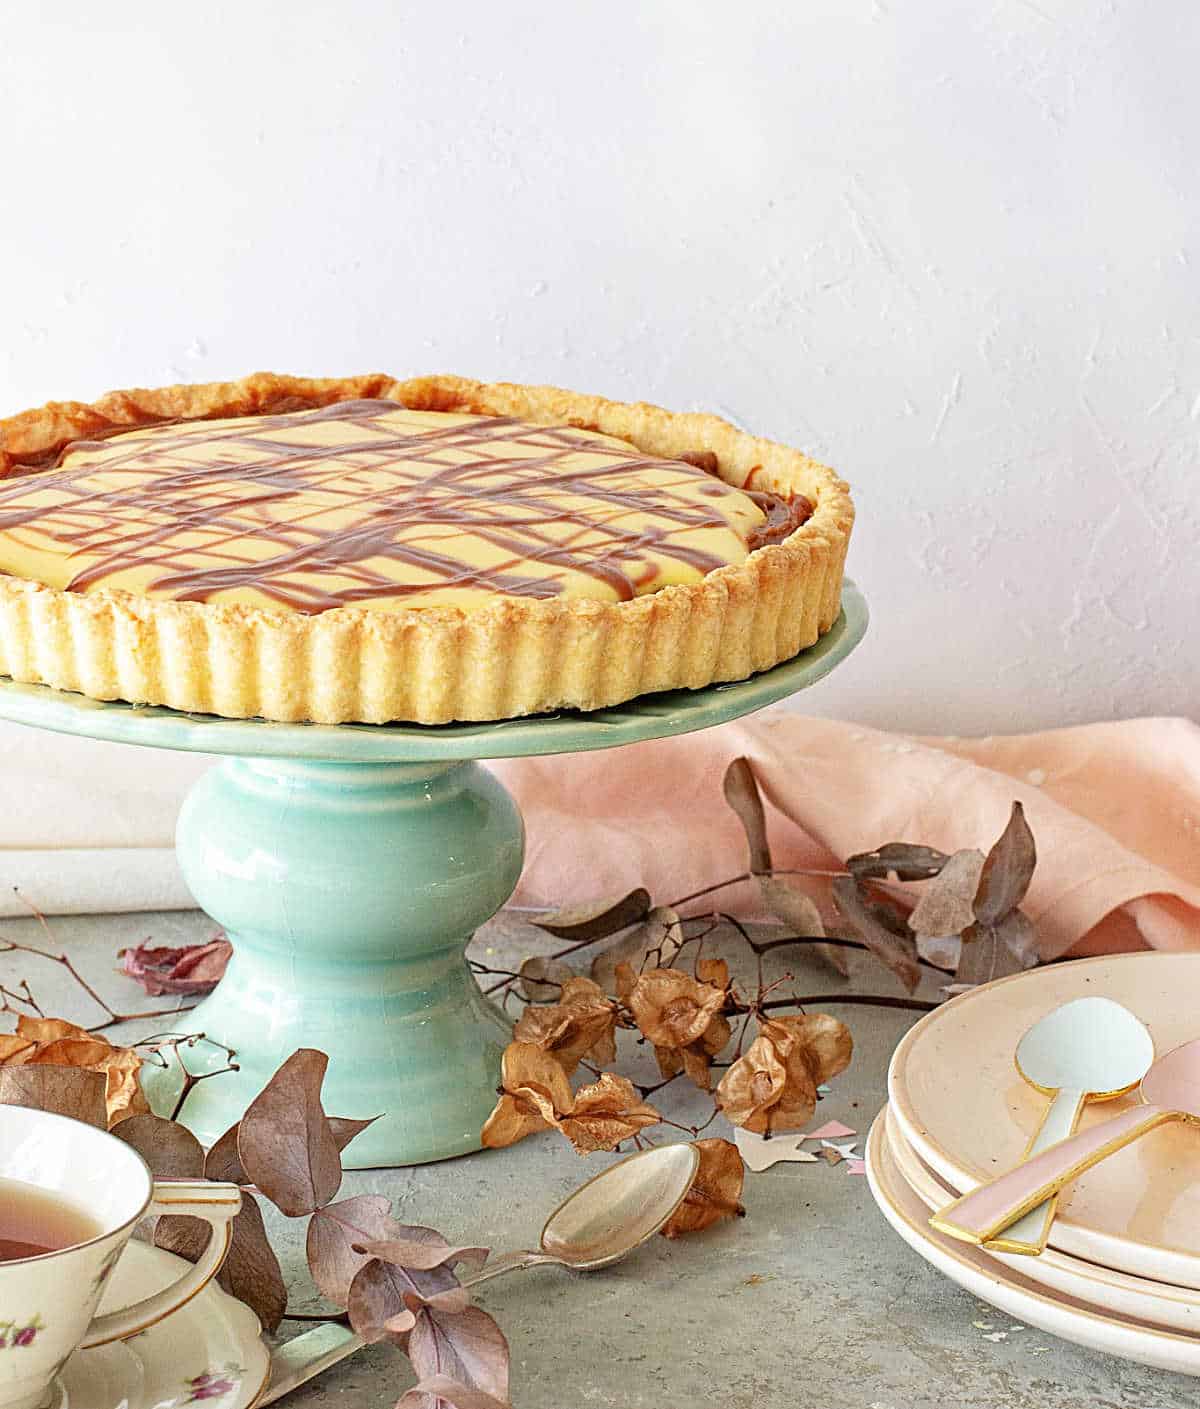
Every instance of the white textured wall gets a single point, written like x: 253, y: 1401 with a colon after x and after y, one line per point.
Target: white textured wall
x: 950, y: 248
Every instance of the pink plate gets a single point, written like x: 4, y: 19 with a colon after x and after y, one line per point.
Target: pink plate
x: 959, y: 1101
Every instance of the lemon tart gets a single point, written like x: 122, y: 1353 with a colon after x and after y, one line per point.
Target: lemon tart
x: 372, y: 550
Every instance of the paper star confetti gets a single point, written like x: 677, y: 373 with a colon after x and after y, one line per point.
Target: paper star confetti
x: 831, y: 1130
x: 759, y: 1153
x: 856, y: 1166
x: 844, y: 1151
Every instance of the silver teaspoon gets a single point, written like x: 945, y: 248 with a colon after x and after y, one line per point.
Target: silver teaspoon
x: 596, y: 1225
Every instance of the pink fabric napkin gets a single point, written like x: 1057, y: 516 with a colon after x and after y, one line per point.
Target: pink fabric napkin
x: 1115, y: 809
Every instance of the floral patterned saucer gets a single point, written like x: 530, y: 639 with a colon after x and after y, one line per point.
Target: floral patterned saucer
x: 208, y: 1353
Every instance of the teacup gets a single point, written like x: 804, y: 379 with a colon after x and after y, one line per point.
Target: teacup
x: 48, y: 1302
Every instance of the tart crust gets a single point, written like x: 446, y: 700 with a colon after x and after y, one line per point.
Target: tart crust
x: 432, y: 665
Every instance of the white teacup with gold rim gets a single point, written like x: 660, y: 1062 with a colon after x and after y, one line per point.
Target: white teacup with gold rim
x: 65, y: 1182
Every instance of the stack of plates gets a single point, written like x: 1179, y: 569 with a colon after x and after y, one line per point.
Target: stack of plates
x: 1122, y: 1271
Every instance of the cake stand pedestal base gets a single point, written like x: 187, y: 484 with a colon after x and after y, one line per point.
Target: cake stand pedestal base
x: 349, y: 865
x: 349, y: 892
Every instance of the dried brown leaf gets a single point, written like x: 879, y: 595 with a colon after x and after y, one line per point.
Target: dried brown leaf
x: 605, y: 1113
x: 284, y: 1140
x: 752, y: 1087
x: 187, y: 968
x: 672, y: 1009
x: 251, y: 1272
x: 170, y: 1149
x: 345, y: 1128
x: 380, y: 1295
x: 223, y: 1161
x: 1007, y: 871
x: 535, y: 1093
x: 656, y: 941
x: 741, y: 793
x: 441, y: 1392
x: 597, y: 919
x: 773, y: 1087
x: 789, y: 902
x: 542, y: 979
x: 70, y: 1091
x: 995, y: 951
x: 467, y: 1346
x: 900, y: 859
x: 420, y: 1249
x: 947, y: 904
x: 55, y: 1042
x: 582, y: 1024
x: 896, y: 952
x: 333, y: 1233
x: 716, y: 1191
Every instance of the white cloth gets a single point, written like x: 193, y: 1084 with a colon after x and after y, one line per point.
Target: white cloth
x: 87, y: 826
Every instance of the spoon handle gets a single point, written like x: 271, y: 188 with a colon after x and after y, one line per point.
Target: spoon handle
x: 980, y: 1215
x: 1029, y: 1233
x: 506, y: 1262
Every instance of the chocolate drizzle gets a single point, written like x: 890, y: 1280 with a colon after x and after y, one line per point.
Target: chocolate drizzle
x: 410, y: 493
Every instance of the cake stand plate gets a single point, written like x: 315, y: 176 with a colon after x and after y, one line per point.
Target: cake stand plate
x: 350, y: 864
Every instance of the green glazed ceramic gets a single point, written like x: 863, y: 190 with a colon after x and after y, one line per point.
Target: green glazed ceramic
x: 350, y: 865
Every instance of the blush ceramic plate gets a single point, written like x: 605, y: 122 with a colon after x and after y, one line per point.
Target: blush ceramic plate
x: 1172, y: 1308
x: 209, y: 1354
x: 960, y: 1103
x: 985, y: 1276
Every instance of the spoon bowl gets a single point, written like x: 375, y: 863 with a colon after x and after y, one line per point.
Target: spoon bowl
x: 1092, y: 1045
x: 618, y: 1209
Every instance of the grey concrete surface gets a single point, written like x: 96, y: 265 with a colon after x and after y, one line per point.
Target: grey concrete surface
x: 810, y: 1300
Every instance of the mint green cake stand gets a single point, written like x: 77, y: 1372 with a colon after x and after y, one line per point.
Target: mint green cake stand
x: 350, y: 864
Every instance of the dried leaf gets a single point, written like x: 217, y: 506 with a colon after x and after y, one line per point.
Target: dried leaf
x: 170, y: 1149
x: 682, y: 1017
x: 581, y: 1025
x: 467, y: 1346
x: 333, y: 1233
x: 535, y: 1093
x: 900, y: 859
x: 223, y: 1161
x: 773, y: 1087
x: 830, y: 1155
x: 716, y: 1191
x: 741, y: 793
x: 713, y: 971
x: 656, y: 941
x: 284, y: 1140
x: 378, y: 1301
x: 542, y: 979
x: 186, y: 968
x: 251, y: 1271
x: 605, y: 1113
x: 789, y: 902
x: 947, y: 904
x: 995, y: 951
x: 896, y: 952
x: 55, y: 1042
x: 64, y: 1090
x: 1007, y: 871
x: 441, y: 1392
x: 598, y: 919
x: 344, y: 1128
x: 419, y: 1249
x: 752, y: 1086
